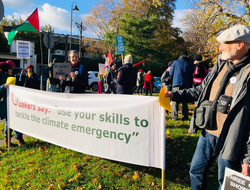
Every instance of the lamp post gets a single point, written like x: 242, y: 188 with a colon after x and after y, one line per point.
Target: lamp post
x: 81, y: 28
x: 72, y: 9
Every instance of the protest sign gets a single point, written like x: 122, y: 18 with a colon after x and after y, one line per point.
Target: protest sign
x: 101, y: 68
x: 63, y: 69
x: 234, y: 180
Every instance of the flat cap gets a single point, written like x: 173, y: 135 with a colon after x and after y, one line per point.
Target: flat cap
x: 235, y: 33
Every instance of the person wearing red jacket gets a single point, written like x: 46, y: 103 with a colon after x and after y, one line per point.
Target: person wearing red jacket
x: 149, y: 82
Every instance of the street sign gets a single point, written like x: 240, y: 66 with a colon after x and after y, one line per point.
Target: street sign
x: 48, y: 40
x: 120, y: 46
x: 23, y: 49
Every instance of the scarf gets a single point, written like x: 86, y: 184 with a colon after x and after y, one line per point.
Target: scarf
x: 75, y: 65
x: 29, y: 74
x: 232, y: 70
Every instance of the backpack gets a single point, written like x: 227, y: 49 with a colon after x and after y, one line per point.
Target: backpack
x: 196, y: 71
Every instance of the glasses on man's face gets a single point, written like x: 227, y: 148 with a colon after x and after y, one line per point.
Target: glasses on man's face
x: 76, y: 57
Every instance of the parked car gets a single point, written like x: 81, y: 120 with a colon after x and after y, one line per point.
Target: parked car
x: 93, y: 80
x: 157, y: 84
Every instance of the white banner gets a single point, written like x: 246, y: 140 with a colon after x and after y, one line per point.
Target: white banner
x: 124, y: 128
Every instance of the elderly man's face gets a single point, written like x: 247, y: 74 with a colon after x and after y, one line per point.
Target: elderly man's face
x: 73, y: 58
x: 229, y: 50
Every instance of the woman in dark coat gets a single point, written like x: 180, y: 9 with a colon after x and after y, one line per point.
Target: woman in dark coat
x: 6, y: 71
x: 29, y: 80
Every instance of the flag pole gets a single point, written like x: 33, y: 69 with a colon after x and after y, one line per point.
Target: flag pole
x: 8, y: 138
x: 163, y: 112
x: 162, y: 179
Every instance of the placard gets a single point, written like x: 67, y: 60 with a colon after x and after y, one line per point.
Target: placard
x: 234, y: 180
x: 61, y: 69
x: 23, y: 49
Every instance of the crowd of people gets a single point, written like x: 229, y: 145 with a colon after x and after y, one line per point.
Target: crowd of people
x: 27, y: 79
x: 220, y: 96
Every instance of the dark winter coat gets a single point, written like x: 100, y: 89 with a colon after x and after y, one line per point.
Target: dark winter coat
x: 32, y: 82
x: 126, y: 79
x: 181, y: 72
x: 3, y: 95
x: 80, y: 83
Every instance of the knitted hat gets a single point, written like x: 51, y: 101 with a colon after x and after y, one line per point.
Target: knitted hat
x: 11, y: 63
x: 30, y: 66
x: 140, y: 70
x: 198, y: 57
x: 170, y: 63
x: 184, y: 53
x: 128, y: 59
x: 4, y: 67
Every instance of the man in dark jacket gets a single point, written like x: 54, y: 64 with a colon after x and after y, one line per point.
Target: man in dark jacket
x: 111, y: 74
x: 78, y: 79
x: 181, y: 73
x: 126, y: 77
x: 51, y: 81
x: 226, y: 86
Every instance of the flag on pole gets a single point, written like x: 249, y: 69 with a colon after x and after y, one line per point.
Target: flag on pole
x: 109, y: 59
x: 137, y: 64
x: 30, y: 25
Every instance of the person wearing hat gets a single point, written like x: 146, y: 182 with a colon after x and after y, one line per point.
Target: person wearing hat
x: 10, y: 63
x: 226, y: 91
x: 181, y: 73
x: 6, y: 71
x: 140, y: 82
x: 200, y: 71
x: 166, y: 79
x: 29, y: 79
x: 126, y: 77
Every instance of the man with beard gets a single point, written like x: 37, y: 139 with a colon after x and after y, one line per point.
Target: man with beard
x: 222, y: 110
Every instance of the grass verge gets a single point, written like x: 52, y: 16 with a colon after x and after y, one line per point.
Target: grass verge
x: 41, y: 165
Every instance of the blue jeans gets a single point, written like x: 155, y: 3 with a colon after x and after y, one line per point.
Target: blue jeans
x: 6, y: 130
x: 110, y: 88
x: 203, y: 159
x: 51, y: 88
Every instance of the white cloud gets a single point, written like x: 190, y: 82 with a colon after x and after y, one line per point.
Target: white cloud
x: 178, y: 15
x: 57, y: 17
